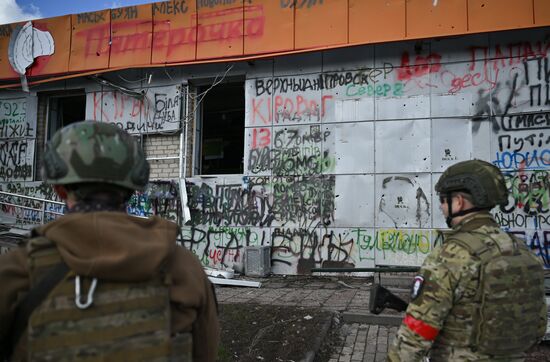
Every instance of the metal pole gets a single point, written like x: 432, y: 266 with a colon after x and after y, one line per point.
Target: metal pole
x: 43, y: 211
x: 396, y: 269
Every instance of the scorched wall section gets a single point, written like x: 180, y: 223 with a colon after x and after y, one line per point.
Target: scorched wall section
x: 343, y: 149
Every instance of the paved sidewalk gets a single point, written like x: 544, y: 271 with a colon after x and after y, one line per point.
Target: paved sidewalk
x: 361, y: 341
x: 364, y: 342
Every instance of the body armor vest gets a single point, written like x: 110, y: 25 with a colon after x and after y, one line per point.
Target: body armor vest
x: 125, y: 321
x: 504, y: 314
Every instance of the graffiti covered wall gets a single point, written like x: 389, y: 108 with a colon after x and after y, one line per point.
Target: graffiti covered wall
x: 343, y: 149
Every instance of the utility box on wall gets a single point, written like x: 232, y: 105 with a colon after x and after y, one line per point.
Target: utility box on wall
x: 257, y: 261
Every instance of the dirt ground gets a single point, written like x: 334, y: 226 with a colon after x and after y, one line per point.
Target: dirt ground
x: 275, y: 333
x: 270, y: 333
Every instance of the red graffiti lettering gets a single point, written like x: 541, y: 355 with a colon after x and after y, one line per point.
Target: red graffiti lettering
x: 261, y: 137
x: 482, y: 77
x: 166, y: 37
x: 422, y: 65
x: 257, y: 105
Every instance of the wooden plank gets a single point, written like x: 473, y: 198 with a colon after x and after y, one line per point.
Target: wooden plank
x: 373, y: 21
x: 6, y: 70
x: 174, y: 31
x: 235, y: 282
x: 220, y: 29
x: 60, y: 29
x: 319, y: 22
x: 447, y: 17
x: 492, y: 15
x: 132, y: 35
x: 91, y: 34
x: 542, y: 12
x: 268, y: 27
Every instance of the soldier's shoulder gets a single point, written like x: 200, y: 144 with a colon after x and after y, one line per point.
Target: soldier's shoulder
x: 455, y: 247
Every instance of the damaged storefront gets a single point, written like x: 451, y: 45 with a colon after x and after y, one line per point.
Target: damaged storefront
x: 316, y: 129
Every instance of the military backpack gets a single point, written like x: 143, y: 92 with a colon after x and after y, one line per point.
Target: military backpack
x: 89, y: 320
x: 510, y: 297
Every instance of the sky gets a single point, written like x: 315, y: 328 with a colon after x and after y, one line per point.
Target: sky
x: 18, y: 10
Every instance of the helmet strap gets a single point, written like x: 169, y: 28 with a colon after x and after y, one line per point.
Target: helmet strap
x: 450, y: 215
x: 460, y: 213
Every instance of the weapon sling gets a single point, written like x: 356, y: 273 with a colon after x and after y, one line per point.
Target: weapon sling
x: 33, y: 299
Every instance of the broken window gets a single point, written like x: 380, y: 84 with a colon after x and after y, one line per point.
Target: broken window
x: 220, y: 129
x: 64, y: 110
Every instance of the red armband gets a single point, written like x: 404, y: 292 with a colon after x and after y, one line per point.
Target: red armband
x: 422, y: 329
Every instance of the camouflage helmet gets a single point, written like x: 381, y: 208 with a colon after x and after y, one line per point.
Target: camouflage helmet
x: 90, y: 152
x: 482, y: 180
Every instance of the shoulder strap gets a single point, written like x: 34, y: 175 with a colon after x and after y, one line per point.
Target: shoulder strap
x: 473, y: 244
x: 33, y: 299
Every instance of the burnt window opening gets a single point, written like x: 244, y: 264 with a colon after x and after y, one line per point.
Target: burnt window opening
x: 64, y: 110
x: 221, y: 129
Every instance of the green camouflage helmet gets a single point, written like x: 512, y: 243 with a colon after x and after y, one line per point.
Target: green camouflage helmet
x: 478, y: 178
x: 91, y: 151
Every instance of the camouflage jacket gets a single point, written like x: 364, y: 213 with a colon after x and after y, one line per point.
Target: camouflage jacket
x: 438, y: 321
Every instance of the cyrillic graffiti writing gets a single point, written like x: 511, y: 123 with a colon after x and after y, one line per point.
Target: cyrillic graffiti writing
x: 523, y: 160
x: 298, y: 4
x: 322, y: 81
x: 127, y: 13
x: 90, y: 18
x: 170, y: 7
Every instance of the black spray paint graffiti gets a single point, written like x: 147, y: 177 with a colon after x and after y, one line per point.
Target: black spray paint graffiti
x: 324, y: 81
x: 229, y: 205
x: 28, y: 216
x: 15, y: 163
x: 294, y: 199
x: 304, y: 199
x: 539, y: 242
x: 303, y: 244
x: 539, y: 87
x: 13, y: 119
x: 294, y: 152
x: 403, y: 199
x: 291, y: 161
x: 488, y: 100
x: 160, y: 198
x: 221, y: 244
x: 224, y: 245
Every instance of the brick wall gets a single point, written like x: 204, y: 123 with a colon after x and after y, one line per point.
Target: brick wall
x: 158, y: 146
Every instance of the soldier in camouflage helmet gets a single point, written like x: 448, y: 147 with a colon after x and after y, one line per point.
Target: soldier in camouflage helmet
x: 480, y: 295
x: 124, y: 290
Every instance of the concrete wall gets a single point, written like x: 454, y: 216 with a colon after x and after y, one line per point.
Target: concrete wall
x: 343, y: 149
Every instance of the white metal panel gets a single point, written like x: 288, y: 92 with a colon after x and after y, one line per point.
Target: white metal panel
x: 354, y: 201
x: 409, y: 107
x: 452, y: 144
x: 403, y: 146
x: 460, y: 48
x: 351, y: 145
x: 348, y: 58
x: 298, y: 64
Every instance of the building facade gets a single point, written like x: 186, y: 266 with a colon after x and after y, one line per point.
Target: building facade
x: 318, y: 128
